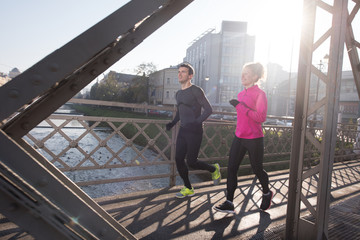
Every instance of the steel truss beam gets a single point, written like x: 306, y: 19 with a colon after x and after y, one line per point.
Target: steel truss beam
x: 37, y: 195
x: 353, y: 46
x: 57, y: 78
x: 36, y: 199
x: 306, y: 108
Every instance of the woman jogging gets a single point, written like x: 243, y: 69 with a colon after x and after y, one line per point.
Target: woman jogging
x: 251, y: 108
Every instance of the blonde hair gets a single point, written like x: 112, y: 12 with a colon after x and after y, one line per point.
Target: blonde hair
x: 256, y: 68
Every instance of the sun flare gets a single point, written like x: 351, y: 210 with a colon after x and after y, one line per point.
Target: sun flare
x: 277, y: 29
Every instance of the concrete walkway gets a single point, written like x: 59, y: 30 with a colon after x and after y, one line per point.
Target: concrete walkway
x: 157, y: 214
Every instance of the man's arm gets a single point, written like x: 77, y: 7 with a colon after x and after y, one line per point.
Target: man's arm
x: 204, y: 102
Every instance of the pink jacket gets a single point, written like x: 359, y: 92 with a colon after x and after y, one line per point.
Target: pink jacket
x: 251, y: 112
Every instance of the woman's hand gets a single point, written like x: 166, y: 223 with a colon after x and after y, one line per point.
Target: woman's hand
x: 234, y: 102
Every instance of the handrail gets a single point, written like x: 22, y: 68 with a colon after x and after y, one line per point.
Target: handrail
x: 116, y: 146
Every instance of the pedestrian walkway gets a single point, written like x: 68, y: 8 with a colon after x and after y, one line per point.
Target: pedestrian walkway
x: 157, y: 214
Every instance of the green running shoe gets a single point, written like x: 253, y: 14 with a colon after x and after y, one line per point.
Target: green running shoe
x: 185, y: 192
x: 216, y: 175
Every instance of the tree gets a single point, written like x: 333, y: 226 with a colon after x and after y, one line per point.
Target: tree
x: 145, y: 69
x: 139, y: 88
x: 93, y: 90
x: 109, y: 89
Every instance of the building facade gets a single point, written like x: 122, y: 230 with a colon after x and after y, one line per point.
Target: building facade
x: 163, y: 86
x: 282, y: 98
x: 218, y: 59
x: 349, y: 107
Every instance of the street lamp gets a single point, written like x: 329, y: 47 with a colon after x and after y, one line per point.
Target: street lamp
x: 323, y: 62
x: 220, y: 93
x: 206, y: 84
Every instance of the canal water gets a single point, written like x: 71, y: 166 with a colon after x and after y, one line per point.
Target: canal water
x: 57, y: 143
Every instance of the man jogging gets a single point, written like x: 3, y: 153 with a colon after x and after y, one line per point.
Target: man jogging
x: 190, y: 100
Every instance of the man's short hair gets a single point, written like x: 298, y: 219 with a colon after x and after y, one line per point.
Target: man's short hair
x: 189, y: 67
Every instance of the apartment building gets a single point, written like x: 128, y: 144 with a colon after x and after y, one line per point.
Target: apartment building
x: 218, y: 59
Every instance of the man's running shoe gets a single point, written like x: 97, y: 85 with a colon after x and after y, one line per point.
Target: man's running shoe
x: 266, y: 201
x: 225, y: 207
x: 216, y: 175
x: 185, y: 192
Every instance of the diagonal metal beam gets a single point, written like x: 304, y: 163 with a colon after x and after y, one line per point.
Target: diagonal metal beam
x: 74, y: 188
x: 68, y: 84
x: 353, y: 46
x: 336, y: 56
x: 49, y: 196
x: 38, y: 92
x: 300, y: 121
x: 51, y: 70
x: 14, y: 204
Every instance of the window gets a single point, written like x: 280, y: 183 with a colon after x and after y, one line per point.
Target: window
x: 167, y: 95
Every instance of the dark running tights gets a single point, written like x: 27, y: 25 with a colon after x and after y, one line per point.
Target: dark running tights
x: 239, y: 147
x: 188, y: 145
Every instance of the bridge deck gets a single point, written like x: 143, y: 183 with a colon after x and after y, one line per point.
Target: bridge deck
x: 157, y: 214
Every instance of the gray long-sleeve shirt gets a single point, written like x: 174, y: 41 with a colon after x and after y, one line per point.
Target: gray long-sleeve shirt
x: 190, y: 101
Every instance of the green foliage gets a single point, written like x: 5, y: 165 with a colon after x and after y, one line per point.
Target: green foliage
x: 107, y: 90
x: 219, y: 140
x: 93, y: 90
x: 113, y: 89
x: 139, y: 89
x: 115, y: 112
x: 145, y: 69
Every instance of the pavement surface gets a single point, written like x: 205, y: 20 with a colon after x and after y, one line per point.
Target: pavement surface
x: 157, y: 214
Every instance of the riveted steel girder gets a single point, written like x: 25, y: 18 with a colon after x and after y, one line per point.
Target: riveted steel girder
x: 46, y: 86
x: 37, y: 195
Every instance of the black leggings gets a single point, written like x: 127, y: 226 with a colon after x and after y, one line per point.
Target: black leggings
x: 188, y: 145
x: 239, y: 147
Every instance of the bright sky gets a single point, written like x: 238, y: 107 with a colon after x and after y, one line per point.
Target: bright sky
x: 30, y: 30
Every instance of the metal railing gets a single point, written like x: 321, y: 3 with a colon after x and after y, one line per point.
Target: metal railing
x: 93, y: 150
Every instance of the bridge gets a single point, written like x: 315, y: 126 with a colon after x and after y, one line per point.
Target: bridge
x: 38, y: 197
x: 156, y: 214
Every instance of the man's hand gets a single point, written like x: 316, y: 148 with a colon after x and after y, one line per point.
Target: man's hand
x: 234, y: 102
x: 169, y: 126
